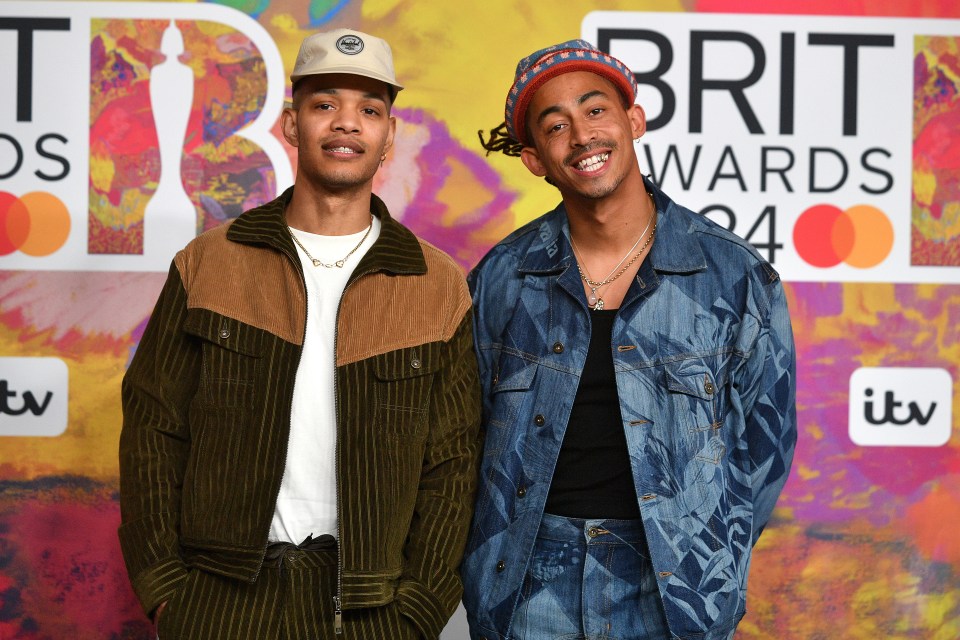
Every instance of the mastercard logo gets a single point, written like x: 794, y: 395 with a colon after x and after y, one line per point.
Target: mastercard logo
x: 860, y: 236
x: 36, y: 223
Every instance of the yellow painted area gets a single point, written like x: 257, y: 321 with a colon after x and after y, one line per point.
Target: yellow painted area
x: 133, y: 202
x: 924, y: 185
x: 89, y: 445
x: 461, y: 192
x: 863, y: 303
x: 844, y: 501
x: 102, y: 171
x: 814, y: 431
x: 287, y: 34
x: 807, y: 473
x: 234, y: 146
x: 946, y: 226
x: 937, y: 610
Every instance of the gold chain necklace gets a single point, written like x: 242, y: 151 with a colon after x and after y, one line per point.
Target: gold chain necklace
x: 338, y: 263
x: 595, y: 300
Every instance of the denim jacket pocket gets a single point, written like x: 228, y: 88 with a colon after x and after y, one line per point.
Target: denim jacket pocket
x: 697, y: 394
x: 513, y: 373
x: 513, y: 378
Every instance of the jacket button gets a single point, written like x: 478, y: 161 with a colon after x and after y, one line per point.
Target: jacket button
x: 539, y: 420
x: 708, y: 387
x: 522, y: 491
x: 415, y: 363
x: 224, y: 333
x: 558, y: 347
x: 496, y: 379
x: 501, y: 565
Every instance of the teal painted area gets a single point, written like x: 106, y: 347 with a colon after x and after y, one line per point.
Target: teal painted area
x: 251, y: 7
x: 322, y: 11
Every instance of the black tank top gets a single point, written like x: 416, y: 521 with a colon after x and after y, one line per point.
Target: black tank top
x: 592, y: 478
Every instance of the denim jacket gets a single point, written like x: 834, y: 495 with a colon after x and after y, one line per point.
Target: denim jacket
x: 706, y: 375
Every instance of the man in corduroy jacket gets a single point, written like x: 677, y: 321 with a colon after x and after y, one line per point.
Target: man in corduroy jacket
x: 300, y: 421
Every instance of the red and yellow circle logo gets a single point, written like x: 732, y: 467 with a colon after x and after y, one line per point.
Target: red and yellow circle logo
x: 861, y: 236
x: 36, y: 223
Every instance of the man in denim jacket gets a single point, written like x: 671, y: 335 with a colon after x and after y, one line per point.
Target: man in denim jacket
x: 639, y: 376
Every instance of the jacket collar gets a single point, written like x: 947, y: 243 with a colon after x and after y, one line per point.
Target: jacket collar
x: 675, y: 249
x: 396, y: 250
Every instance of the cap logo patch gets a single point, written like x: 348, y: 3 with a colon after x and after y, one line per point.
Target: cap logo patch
x: 350, y: 45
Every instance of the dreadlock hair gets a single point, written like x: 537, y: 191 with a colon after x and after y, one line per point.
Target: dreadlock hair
x: 501, y: 141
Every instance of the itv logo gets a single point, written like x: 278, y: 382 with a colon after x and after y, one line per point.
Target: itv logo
x: 33, y: 396
x: 901, y: 407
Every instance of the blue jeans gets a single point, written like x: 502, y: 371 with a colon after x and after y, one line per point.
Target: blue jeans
x: 589, y: 580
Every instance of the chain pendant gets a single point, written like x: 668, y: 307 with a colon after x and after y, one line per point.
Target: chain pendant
x: 339, y: 263
x: 599, y: 305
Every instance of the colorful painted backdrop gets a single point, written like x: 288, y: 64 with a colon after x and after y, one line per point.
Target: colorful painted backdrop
x: 863, y: 544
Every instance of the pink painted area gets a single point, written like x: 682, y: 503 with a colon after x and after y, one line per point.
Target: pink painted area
x: 64, y: 576
x: 94, y: 304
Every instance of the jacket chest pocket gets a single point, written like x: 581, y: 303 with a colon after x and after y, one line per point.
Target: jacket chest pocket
x: 404, y: 381
x: 231, y: 359
x: 698, y: 396
x: 510, y: 397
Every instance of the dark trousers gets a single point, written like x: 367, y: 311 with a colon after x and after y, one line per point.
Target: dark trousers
x: 292, y: 599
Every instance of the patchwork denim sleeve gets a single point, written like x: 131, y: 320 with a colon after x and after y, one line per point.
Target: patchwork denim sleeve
x: 770, y: 402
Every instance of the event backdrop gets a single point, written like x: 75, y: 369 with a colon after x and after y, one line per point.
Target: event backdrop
x: 827, y: 135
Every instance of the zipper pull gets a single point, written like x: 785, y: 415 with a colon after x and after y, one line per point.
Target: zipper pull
x: 337, y: 616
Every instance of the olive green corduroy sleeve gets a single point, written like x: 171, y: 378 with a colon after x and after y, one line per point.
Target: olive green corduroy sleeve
x: 157, y: 391
x: 430, y: 587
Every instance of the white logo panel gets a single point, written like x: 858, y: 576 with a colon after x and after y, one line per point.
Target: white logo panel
x: 794, y: 132
x: 901, y: 407
x: 33, y: 396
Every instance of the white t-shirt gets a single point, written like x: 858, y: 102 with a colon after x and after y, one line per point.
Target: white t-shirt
x: 307, y: 503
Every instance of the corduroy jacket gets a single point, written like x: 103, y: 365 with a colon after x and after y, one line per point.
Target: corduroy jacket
x: 206, y: 416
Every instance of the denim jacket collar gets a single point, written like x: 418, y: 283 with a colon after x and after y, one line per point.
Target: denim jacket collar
x: 676, y: 249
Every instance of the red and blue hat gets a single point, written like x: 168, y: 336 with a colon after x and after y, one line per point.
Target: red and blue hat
x: 540, y: 66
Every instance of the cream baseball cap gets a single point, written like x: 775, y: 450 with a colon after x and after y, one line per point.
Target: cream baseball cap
x: 346, y: 51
